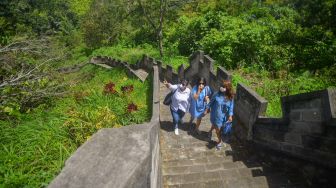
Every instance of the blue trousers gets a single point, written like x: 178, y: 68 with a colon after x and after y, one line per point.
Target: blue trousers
x: 177, y: 116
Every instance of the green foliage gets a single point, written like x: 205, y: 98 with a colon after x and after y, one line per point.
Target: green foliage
x: 35, y: 147
x: 128, y: 54
x: 33, y: 150
x: 273, y: 87
x: 106, y: 26
x: 93, y: 109
x: 267, y: 37
x: 132, y: 55
x: 80, y: 7
x: 34, y: 17
x: 27, y: 77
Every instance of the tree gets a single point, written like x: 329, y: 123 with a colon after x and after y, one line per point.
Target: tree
x: 26, y: 82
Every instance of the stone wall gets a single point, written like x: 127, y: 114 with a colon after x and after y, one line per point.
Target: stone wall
x: 306, y: 130
x: 130, y: 68
x: 247, y: 108
x: 118, y: 157
x: 200, y: 65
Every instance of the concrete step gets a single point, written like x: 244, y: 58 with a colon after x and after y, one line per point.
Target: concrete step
x: 193, y: 156
x: 192, y: 153
x: 206, y: 161
x: 243, y: 182
x: 202, y: 168
x: 225, y: 176
x: 185, y: 144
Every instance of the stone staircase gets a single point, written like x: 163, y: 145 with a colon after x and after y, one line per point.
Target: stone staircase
x: 190, y: 160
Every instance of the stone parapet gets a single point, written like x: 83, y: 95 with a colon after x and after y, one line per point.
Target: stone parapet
x: 118, y: 157
x: 306, y: 130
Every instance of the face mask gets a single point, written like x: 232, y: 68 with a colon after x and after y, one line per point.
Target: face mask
x: 222, y: 89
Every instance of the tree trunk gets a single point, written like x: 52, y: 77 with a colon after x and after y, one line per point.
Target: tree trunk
x: 160, y: 35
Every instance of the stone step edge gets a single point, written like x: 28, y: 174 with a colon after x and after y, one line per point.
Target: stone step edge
x: 186, y: 157
x: 190, y: 162
x: 261, y: 181
x: 204, y: 180
x: 198, y: 169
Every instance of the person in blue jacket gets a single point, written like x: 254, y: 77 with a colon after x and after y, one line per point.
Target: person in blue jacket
x: 199, y: 95
x: 221, y: 109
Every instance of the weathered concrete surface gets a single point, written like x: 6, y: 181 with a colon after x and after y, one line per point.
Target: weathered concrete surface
x: 248, y: 106
x: 306, y: 129
x: 112, y: 158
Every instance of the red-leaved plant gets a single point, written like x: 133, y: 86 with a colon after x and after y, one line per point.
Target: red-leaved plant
x: 109, y: 88
x: 132, y: 107
x: 127, y: 88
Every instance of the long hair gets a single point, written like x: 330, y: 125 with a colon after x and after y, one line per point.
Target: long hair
x: 229, y: 93
x: 201, y: 79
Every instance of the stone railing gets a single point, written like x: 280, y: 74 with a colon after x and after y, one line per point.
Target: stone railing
x: 120, y: 157
x: 307, y: 129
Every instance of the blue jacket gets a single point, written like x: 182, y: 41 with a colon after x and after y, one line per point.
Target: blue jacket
x: 221, y: 109
x: 197, y: 107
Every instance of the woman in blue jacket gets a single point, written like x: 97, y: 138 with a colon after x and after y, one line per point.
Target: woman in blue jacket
x: 199, y: 95
x: 221, y: 109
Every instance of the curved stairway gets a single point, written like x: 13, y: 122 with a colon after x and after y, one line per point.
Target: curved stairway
x: 190, y: 160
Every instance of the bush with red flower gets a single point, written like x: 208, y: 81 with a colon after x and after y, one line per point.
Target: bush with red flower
x: 132, y: 107
x: 127, y: 88
x: 109, y: 88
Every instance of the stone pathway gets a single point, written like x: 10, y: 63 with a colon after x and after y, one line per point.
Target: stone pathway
x: 188, y: 160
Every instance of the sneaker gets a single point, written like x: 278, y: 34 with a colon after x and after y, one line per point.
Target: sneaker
x: 219, y: 146
x: 176, y: 131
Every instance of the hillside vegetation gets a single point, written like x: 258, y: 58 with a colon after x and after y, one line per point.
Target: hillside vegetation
x: 276, y: 47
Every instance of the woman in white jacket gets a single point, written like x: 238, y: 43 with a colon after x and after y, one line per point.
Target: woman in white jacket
x: 180, y: 101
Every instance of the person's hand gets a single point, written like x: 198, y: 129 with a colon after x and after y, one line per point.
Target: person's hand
x: 166, y: 83
x: 207, y: 99
x: 230, y: 119
x: 200, y: 87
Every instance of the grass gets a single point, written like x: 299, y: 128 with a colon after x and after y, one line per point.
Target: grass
x: 132, y: 55
x: 34, y: 148
x: 284, y: 84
